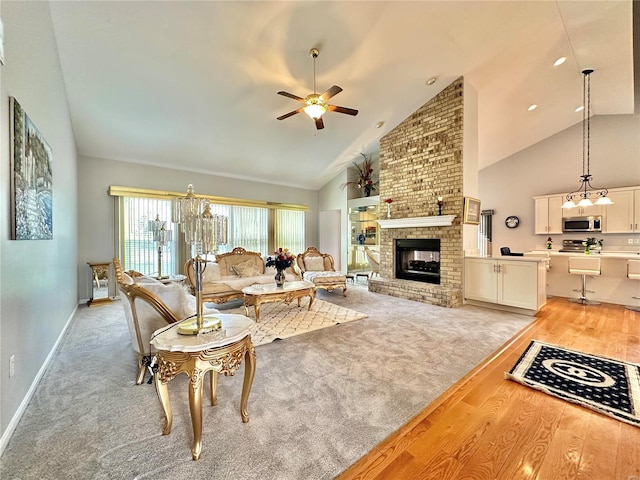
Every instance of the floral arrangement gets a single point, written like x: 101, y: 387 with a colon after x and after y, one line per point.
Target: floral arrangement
x: 364, y: 178
x: 388, y: 200
x: 591, y: 241
x: 549, y: 243
x: 281, y: 259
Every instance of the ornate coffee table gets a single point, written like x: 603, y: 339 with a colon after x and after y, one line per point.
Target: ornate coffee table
x: 258, y: 294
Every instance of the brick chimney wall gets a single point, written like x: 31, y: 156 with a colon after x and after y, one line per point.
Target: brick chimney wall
x: 421, y: 159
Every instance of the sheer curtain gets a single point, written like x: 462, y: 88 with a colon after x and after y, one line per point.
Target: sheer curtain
x: 249, y: 229
x: 289, y: 230
x: 137, y: 250
x: 256, y: 229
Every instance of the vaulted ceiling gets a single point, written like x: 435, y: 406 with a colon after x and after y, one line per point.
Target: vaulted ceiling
x: 192, y: 85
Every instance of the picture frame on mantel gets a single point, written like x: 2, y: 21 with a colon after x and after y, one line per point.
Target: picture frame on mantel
x: 471, y: 211
x: 31, y: 178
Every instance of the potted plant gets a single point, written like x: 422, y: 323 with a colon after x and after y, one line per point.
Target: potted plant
x: 592, y: 242
x: 364, y: 179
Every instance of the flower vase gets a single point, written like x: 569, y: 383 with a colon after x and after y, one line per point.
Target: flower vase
x: 280, y: 278
x: 388, y: 210
x: 367, y: 191
x: 587, y: 250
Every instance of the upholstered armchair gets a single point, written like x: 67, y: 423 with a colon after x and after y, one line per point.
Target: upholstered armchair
x: 149, y: 305
x: 318, y: 268
x: 373, y: 258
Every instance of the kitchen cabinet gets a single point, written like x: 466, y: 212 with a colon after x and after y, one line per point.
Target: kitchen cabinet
x: 590, y: 211
x: 624, y: 215
x: 548, y: 214
x: 518, y: 283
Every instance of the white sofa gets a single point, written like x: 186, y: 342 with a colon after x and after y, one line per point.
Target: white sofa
x: 224, y: 278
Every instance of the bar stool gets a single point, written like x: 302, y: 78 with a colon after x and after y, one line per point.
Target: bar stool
x: 584, y: 266
x: 633, y: 273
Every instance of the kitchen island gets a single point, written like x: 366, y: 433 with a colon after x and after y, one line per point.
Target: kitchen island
x: 511, y: 283
x: 612, y: 286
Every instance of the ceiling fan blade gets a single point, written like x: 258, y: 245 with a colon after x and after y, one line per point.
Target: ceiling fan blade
x: 348, y: 111
x: 330, y: 93
x: 291, y: 95
x: 287, y: 115
x: 319, y: 123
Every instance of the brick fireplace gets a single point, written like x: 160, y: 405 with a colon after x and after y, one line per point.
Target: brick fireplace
x: 420, y: 160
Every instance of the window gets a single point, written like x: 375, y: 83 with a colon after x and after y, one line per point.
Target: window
x: 290, y: 230
x: 249, y: 228
x: 139, y: 250
x: 255, y: 226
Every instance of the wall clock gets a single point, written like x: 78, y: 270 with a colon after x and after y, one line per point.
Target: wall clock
x: 512, y: 221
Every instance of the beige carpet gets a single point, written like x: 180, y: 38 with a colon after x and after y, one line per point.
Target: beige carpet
x: 278, y: 320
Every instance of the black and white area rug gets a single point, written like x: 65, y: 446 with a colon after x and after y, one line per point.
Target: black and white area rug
x: 602, y: 384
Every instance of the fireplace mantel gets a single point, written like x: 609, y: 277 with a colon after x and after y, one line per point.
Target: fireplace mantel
x: 435, y: 221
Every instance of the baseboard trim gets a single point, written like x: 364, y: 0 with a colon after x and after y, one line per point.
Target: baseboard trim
x: 504, y: 308
x: 6, y: 435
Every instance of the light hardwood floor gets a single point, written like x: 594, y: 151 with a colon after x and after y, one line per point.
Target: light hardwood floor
x: 487, y: 427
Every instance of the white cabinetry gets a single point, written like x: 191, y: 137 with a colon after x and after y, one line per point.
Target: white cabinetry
x: 511, y: 283
x: 548, y: 214
x: 624, y: 215
x: 593, y: 210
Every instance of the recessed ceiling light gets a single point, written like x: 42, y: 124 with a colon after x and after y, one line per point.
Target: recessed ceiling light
x: 559, y: 61
x: 579, y: 109
x: 379, y: 124
x: 532, y: 107
x: 431, y: 81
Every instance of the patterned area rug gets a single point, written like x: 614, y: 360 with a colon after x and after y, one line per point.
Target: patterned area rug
x: 278, y: 320
x: 602, y: 384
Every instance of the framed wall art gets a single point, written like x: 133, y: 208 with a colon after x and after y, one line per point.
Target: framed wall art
x: 31, y: 178
x: 471, y: 211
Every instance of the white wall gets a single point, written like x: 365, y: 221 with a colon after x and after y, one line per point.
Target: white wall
x: 554, y: 165
x: 333, y: 197
x: 38, y: 288
x: 470, y: 162
x: 96, y: 207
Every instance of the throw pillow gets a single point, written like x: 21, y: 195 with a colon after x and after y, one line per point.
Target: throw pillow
x: 314, y: 264
x: 246, y: 269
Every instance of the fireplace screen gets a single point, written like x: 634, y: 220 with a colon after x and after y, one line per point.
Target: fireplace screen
x: 418, y: 259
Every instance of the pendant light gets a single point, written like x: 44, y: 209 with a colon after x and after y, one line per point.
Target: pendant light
x: 586, y: 190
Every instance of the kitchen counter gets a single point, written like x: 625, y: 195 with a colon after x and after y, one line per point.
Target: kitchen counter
x: 512, y: 283
x: 605, y: 254
x: 611, y: 286
x: 515, y: 258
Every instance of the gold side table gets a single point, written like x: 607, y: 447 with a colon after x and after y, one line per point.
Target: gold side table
x: 99, y: 271
x: 218, y: 352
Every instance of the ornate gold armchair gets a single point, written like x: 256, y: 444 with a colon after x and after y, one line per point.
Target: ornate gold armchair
x: 374, y: 261
x: 148, y: 306
x: 317, y: 267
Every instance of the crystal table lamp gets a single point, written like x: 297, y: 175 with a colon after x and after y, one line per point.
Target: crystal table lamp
x: 198, y: 224
x: 161, y: 236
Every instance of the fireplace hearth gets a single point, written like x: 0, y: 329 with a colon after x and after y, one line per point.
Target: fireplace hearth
x: 418, y: 259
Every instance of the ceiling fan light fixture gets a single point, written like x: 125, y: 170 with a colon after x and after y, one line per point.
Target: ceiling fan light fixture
x: 315, y: 110
x: 315, y: 104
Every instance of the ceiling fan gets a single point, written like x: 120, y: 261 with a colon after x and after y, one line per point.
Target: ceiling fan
x: 316, y: 105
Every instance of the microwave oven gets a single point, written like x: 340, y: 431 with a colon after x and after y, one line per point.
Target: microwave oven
x: 582, y: 224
